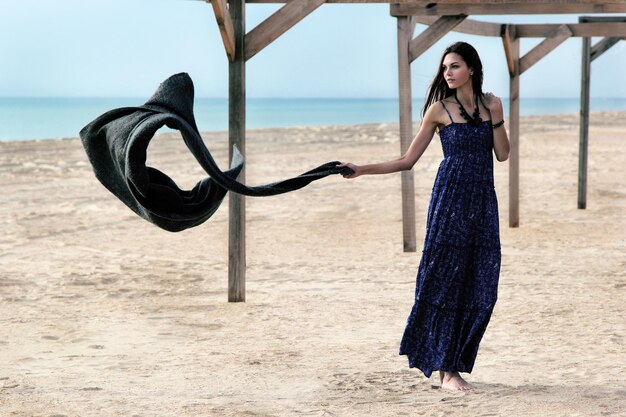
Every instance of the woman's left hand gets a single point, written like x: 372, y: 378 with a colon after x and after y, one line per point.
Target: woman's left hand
x: 494, y: 104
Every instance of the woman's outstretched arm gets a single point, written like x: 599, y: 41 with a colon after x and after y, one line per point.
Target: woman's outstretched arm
x: 501, y: 146
x: 405, y: 162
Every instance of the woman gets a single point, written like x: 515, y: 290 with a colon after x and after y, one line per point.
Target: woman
x: 457, y: 279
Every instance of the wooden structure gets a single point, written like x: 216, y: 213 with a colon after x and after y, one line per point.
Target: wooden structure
x: 588, y: 55
x: 441, y: 17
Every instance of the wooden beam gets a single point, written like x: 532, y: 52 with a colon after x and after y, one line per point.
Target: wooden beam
x: 469, y: 26
x: 432, y: 34
x: 582, y: 30
x: 412, y: 24
x: 602, y: 46
x: 585, y: 77
x: 508, y: 34
x: 512, y: 50
x: 557, y: 37
x: 405, y: 30
x: 613, y: 27
x: 277, y: 24
x: 237, y: 137
x: 441, y: 8
x: 601, y: 19
x: 225, y: 24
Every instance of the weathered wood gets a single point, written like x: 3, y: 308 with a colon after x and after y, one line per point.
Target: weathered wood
x: 557, y: 37
x: 601, y: 19
x: 585, y: 77
x: 405, y: 31
x: 508, y: 33
x: 442, y: 9
x: 474, y: 27
x: 602, y: 46
x: 469, y: 26
x: 578, y: 29
x: 511, y: 49
x: 225, y: 25
x: 412, y: 24
x: 278, y: 23
x: 432, y: 34
x: 237, y: 137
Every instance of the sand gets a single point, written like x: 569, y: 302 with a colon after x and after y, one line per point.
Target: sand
x: 104, y: 314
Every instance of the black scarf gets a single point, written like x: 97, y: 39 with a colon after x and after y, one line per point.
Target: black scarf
x: 116, y: 144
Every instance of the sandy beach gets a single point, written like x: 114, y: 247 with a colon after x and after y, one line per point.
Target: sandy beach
x: 104, y: 314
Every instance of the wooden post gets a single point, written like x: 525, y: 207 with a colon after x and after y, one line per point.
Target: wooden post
x: 405, y: 32
x: 585, y: 77
x: 237, y: 137
x: 511, y: 46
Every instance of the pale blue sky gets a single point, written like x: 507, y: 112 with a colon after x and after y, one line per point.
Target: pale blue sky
x: 125, y: 48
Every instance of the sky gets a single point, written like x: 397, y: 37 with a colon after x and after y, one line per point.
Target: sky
x: 125, y: 48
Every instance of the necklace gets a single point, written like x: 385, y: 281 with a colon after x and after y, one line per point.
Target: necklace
x: 475, y: 120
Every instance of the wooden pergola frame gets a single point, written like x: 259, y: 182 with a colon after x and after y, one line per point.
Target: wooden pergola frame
x: 441, y: 17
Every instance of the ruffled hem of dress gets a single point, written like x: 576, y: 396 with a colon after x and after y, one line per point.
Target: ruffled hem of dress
x: 443, y: 338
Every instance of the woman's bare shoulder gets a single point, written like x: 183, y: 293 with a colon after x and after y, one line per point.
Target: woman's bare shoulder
x: 436, y: 114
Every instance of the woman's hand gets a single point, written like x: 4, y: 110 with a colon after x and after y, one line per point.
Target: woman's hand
x: 355, y: 168
x: 494, y: 104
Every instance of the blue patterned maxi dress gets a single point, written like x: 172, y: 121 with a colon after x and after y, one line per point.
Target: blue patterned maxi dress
x: 457, y: 278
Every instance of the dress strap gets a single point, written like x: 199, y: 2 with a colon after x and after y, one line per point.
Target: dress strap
x: 446, y: 109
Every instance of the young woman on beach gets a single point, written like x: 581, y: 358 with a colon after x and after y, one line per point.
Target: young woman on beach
x: 457, y: 278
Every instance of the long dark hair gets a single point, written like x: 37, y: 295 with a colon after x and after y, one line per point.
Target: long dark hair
x: 439, y: 87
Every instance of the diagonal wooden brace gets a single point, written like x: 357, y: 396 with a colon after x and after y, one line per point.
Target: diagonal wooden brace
x: 281, y: 21
x: 602, y: 46
x: 225, y: 24
x: 432, y: 34
x: 557, y: 37
x: 508, y: 35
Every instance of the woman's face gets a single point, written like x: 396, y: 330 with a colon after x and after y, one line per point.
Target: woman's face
x: 455, y: 70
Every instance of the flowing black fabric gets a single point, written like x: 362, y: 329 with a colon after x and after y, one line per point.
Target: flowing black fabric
x: 116, y: 145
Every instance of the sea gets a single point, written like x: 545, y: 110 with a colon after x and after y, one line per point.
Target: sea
x: 51, y: 118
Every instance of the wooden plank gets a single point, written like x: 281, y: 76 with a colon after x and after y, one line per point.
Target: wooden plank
x: 508, y: 34
x: 278, y: 23
x: 514, y: 102
x: 602, y: 46
x: 237, y: 137
x: 474, y: 27
x: 225, y: 24
x: 406, y: 133
x: 441, y: 9
x: 601, y: 19
x: 432, y: 34
x: 582, y: 30
x: 557, y: 37
x: 585, y: 77
x: 469, y: 26
x: 412, y: 24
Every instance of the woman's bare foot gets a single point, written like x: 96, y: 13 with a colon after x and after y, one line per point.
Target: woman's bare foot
x: 453, y: 381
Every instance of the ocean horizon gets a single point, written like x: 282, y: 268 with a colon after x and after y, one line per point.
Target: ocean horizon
x: 26, y: 118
